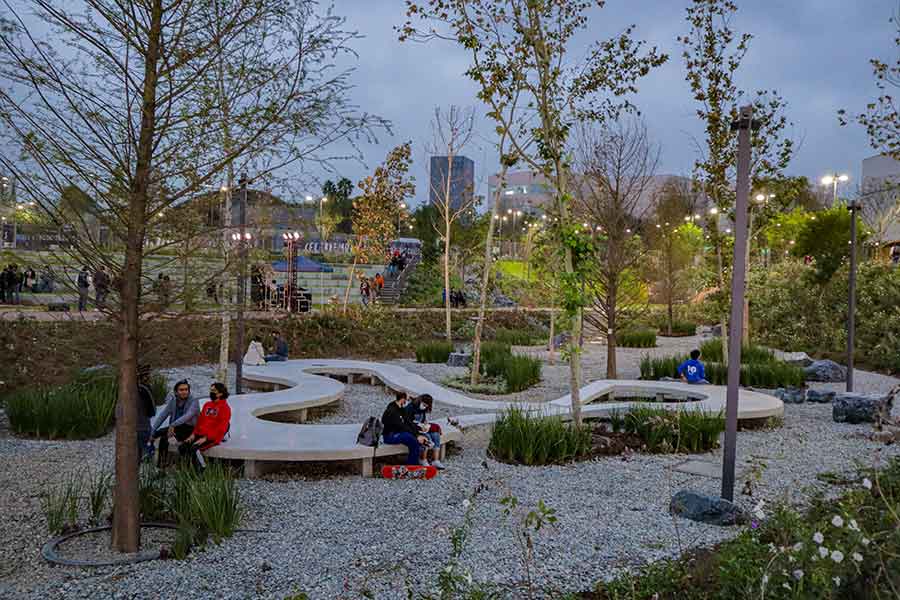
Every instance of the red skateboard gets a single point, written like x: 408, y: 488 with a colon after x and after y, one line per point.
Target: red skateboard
x: 408, y: 472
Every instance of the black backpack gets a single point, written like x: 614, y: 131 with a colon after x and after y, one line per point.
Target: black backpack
x: 370, y: 434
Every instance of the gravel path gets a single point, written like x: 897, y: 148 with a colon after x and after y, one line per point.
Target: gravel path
x: 343, y: 536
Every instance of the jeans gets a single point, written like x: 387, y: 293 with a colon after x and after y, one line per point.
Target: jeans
x: 435, y: 438
x: 82, y: 299
x: 275, y: 358
x: 408, y: 440
x: 699, y: 382
x: 145, y: 447
x: 181, y: 433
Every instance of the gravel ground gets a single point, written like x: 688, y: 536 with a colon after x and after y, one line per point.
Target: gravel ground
x: 343, y: 536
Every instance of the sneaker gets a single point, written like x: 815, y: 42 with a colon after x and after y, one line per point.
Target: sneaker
x: 438, y: 465
x: 424, y: 463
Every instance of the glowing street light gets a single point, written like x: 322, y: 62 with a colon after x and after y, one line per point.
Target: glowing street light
x: 833, y: 180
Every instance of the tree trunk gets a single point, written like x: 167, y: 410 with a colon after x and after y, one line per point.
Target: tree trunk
x: 350, y: 283
x: 550, y: 347
x: 486, y: 278
x: 745, y: 326
x: 722, y: 320
x: 447, y: 323
x: 611, y: 330
x: 126, y: 529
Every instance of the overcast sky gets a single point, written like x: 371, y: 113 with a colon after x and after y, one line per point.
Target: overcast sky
x: 814, y: 52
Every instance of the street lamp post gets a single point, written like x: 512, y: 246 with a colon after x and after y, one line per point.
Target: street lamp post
x: 851, y: 308
x: 833, y: 179
x: 243, y: 240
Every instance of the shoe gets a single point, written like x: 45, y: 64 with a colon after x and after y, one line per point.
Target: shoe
x: 424, y: 463
x: 438, y: 465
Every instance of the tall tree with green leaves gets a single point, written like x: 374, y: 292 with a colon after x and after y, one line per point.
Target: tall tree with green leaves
x: 524, y: 47
x: 376, y: 210
x: 713, y: 52
x: 340, y: 202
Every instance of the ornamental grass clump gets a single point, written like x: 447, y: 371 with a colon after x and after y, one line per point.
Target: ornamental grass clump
x: 519, y: 372
x: 768, y: 374
x: 711, y: 350
x: 637, y: 338
x: 662, y: 430
x: 516, y: 337
x: 524, y: 438
x: 80, y: 410
x: 434, y: 352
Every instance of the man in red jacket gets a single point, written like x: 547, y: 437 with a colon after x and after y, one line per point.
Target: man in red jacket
x: 212, y: 424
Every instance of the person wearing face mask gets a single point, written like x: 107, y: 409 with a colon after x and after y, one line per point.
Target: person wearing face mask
x: 181, y: 410
x: 212, y: 425
x: 399, y: 428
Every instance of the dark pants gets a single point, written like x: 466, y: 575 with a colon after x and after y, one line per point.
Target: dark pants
x: 408, y: 440
x: 275, y: 358
x: 82, y: 299
x: 182, y: 432
x: 193, y: 450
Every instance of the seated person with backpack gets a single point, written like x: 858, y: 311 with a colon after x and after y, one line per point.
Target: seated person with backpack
x: 181, y: 410
x: 418, y: 408
x: 399, y: 428
x: 213, y: 423
x: 692, y: 371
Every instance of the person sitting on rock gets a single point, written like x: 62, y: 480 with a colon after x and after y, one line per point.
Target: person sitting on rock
x: 213, y: 423
x: 399, y: 428
x: 281, y: 348
x: 181, y: 410
x: 692, y: 371
x: 419, y: 409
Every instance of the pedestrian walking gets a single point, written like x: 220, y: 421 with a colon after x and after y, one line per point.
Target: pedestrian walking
x: 83, y: 289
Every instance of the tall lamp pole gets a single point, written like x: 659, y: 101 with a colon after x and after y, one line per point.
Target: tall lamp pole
x: 243, y: 239
x: 833, y: 180
x: 851, y: 312
x: 744, y: 125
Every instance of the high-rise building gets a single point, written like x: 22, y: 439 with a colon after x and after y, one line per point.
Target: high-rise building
x: 880, y: 198
x: 462, y: 180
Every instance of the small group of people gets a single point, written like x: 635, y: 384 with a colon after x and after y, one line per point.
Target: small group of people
x: 101, y: 282
x: 13, y: 281
x: 370, y: 289
x: 457, y: 298
x: 397, y: 262
x: 162, y: 289
x: 405, y: 421
x: 181, y: 419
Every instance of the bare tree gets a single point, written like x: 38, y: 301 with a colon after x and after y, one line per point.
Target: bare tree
x: 880, y: 211
x: 616, y: 165
x: 451, y: 132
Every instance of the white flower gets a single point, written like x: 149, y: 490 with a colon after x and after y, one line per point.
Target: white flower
x: 857, y: 557
x: 765, y: 580
x: 818, y: 537
x: 853, y: 526
x: 772, y: 548
x: 865, y: 541
x: 466, y: 503
x: 836, y: 580
x: 867, y: 483
x: 837, y: 521
x: 786, y: 585
x: 468, y: 578
x: 798, y: 574
x: 823, y: 551
x: 837, y: 556
x: 790, y: 558
x: 798, y: 547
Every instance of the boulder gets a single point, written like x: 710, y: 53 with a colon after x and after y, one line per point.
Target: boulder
x: 706, y: 509
x: 503, y: 301
x: 819, y: 397
x: 798, y: 359
x: 791, y: 395
x: 849, y: 407
x: 459, y: 359
x: 825, y: 370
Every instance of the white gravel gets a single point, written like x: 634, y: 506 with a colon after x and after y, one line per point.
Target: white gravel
x: 342, y: 536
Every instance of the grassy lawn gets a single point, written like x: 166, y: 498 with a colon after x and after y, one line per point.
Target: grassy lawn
x: 515, y: 268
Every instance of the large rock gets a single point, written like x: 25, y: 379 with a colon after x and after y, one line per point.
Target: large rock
x: 706, y: 509
x: 798, y: 359
x: 459, y: 359
x: 791, y: 395
x: 825, y: 370
x: 849, y: 407
x: 819, y: 397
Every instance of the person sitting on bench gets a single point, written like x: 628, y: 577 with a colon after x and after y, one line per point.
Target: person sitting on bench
x: 399, y: 428
x: 419, y: 409
x: 181, y: 410
x: 212, y: 425
x: 692, y: 371
x: 281, y: 348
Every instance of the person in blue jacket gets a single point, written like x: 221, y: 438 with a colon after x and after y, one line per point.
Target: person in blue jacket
x: 691, y: 370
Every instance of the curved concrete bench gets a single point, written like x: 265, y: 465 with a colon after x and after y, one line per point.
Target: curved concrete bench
x: 307, y: 384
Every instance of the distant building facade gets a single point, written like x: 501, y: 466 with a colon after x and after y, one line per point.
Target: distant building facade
x: 879, y: 198
x: 462, y: 180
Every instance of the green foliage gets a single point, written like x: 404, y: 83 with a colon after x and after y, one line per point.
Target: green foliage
x: 434, y: 352
x: 772, y: 374
x: 843, y: 548
x: 517, y: 337
x: 60, y: 504
x: 674, y: 431
x: 521, y: 437
x: 80, y: 410
x: 711, y: 350
x: 637, y: 338
x: 519, y: 372
x: 827, y: 239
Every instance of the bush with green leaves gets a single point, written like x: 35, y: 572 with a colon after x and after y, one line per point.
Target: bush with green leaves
x: 519, y: 372
x: 844, y: 548
x: 522, y: 437
x: 773, y: 374
x: 434, y: 352
x: 517, y: 337
x: 711, y: 350
x: 686, y: 430
x: 80, y: 410
x: 637, y: 338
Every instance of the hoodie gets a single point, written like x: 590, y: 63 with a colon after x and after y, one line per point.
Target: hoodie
x: 184, y: 413
x: 213, y: 421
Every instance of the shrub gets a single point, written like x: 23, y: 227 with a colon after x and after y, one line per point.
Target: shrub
x: 434, y: 352
x: 519, y: 372
x: 524, y: 438
x: 79, y: 410
x: 772, y: 374
x: 637, y: 338
x: 685, y: 430
x: 492, y: 354
x: 516, y: 337
x: 682, y: 328
x: 60, y: 504
x: 711, y: 350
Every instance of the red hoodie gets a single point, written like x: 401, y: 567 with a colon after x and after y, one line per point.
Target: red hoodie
x: 213, y: 421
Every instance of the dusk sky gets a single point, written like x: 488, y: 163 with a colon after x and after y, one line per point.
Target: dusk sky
x: 814, y: 52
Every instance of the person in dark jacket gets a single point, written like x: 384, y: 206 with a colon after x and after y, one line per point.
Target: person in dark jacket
x: 419, y: 409
x: 84, y: 285
x: 146, y: 410
x: 181, y: 410
x: 399, y: 428
x: 281, y: 348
